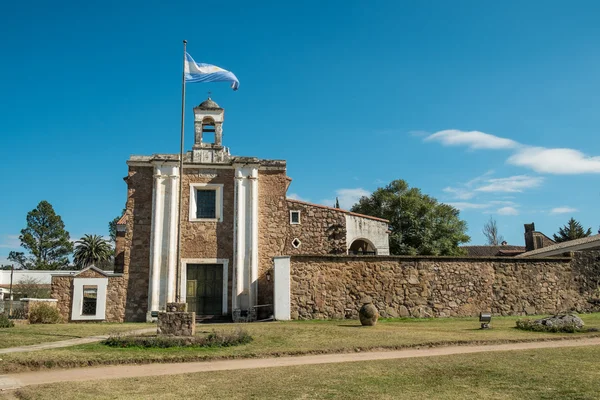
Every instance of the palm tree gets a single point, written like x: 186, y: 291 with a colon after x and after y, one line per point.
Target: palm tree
x: 90, y: 250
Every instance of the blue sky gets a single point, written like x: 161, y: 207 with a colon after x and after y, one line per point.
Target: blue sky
x: 492, y: 107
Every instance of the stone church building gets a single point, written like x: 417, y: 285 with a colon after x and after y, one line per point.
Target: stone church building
x: 235, y: 217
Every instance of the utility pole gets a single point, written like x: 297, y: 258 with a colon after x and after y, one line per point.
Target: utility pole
x: 10, y: 293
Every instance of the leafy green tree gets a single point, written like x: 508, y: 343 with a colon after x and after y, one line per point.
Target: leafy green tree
x: 91, y: 250
x: 46, y: 239
x: 419, y: 223
x: 573, y: 230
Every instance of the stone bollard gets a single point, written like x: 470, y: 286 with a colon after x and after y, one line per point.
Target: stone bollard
x: 368, y: 314
x: 176, y: 321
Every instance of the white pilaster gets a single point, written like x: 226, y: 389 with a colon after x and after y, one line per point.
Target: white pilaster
x: 254, y: 229
x: 156, y: 240
x: 173, y: 223
x: 246, y: 237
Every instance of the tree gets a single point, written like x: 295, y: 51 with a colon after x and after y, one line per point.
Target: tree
x: 32, y: 288
x: 337, y: 203
x: 19, y: 258
x: 46, y: 239
x: 91, y: 250
x: 419, y: 223
x: 490, y: 231
x: 573, y: 230
x: 112, y: 227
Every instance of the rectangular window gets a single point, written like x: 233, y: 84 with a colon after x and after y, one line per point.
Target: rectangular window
x: 294, y: 217
x: 90, y: 296
x: 206, y: 203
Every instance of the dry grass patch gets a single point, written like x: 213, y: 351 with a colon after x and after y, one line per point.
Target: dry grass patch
x: 23, y: 335
x: 568, y: 373
x: 297, y: 338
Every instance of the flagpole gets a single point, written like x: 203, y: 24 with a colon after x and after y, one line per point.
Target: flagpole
x: 178, y: 271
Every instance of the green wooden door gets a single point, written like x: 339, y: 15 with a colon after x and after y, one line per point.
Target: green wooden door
x: 205, y: 289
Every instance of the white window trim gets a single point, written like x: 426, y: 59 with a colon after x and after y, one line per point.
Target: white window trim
x: 299, y: 243
x: 194, y: 187
x: 183, y: 277
x: 77, y: 308
x: 299, y: 216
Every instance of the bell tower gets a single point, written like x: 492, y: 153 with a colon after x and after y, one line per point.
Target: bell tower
x: 208, y: 133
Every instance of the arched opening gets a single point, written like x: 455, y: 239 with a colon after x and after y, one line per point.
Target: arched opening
x: 208, y: 130
x: 362, y: 247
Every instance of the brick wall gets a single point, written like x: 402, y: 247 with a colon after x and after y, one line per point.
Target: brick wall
x: 336, y: 286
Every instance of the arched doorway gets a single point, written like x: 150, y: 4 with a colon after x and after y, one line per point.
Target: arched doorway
x: 362, y: 247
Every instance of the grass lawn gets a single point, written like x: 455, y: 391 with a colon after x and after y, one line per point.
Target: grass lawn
x: 23, y: 335
x: 296, y: 338
x: 568, y: 373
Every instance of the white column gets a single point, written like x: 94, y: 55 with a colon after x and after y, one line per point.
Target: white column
x: 254, y: 236
x: 173, y: 223
x: 156, y: 240
x: 238, y: 250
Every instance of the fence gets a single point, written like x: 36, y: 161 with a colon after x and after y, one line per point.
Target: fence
x: 16, y: 310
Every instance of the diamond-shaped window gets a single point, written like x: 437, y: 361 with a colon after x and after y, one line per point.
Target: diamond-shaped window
x: 296, y: 243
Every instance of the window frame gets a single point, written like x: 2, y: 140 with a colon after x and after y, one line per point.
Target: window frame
x: 194, y: 188
x: 292, y: 220
x: 83, y: 300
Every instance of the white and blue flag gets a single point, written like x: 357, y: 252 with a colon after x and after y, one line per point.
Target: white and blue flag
x: 195, y: 72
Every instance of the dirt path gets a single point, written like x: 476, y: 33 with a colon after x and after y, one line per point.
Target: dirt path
x: 69, y: 342
x: 15, y: 381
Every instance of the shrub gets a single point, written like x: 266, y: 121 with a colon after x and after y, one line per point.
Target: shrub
x: 214, y: 339
x: 5, y: 322
x: 532, y: 325
x: 42, y: 313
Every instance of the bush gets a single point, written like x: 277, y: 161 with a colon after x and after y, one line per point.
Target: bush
x: 532, y: 325
x: 5, y: 322
x: 42, y: 313
x: 214, y: 339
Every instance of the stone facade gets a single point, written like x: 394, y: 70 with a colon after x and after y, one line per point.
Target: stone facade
x: 322, y: 230
x: 137, y: 242
x: 337, y: 286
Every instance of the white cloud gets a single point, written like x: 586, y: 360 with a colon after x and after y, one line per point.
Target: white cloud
x: 555, y: 161
x: 458, y: 193
x: 472, y: 139
x: 560, y: 161
x: 295, y: 196
x: 507, y: 211
x: 10, y: 242
x: 346, y: 197
x: 467, y: 206
x: 515, y: 183
x: 563, y: 210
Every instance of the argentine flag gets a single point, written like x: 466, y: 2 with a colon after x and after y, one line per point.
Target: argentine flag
x: 195, y: 72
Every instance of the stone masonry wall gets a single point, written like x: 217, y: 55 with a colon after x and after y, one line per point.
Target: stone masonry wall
x: 201, y: 239
x: 273, y: 220
x: 337, y: 286
x: 322, y: 230
x: 62, y: 291
x: 136, y: 263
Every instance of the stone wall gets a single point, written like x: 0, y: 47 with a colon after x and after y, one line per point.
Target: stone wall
x: 337, y: 286
x: 136, y: 259
x: 322, y: 230
x: 273, y: 221
x: 200, y: 239
x: 116, y: 292
x: 177, y: 323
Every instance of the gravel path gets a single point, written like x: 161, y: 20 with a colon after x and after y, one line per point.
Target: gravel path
x: 15, y: 381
